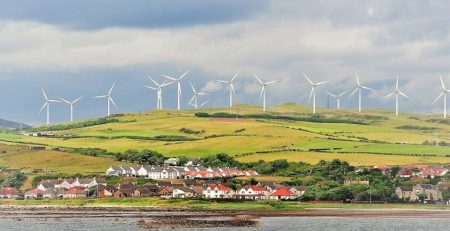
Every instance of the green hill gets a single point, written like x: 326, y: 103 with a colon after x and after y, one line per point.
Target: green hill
x: 287, y: 131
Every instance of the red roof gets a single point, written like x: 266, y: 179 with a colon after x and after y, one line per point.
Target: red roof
x: 9, y: 191
x: 75, y: 190
x: 221, y: 187
x: 255, y: 188
x: 35, y: 191
x: 283, y: 192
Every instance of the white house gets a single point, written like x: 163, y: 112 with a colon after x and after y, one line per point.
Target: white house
x: 218, y: 191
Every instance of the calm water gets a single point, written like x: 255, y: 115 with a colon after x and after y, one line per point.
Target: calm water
x: 268, y: 224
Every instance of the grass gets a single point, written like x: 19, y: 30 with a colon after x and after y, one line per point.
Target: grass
x: 16, y: 156
x: 212, y: 205
x: 252, y: 139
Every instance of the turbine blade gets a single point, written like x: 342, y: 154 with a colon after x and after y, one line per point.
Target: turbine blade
x: 311, y: 94
x: 270, y: 82
x: 54, y: 101
x: 354, y: 92
x: 79, y: 98
x: 192, y: 86
x: 357, y: 79
x: 389, y: 95
x: 343, y: 93
x: 183, y: 75
x: 165, y: 84
x: 404, y: 95
x: 153, y: 80
x: 309, y: 80
x: 171, y: 78
x: 222, y: 81
x: 440, y: 95
x: 232, y: 88
x: 42, y: 108
x: 112, y: 101
x: 234, y: 77
x: 65, y: 101
x: 45, y: 95
x: 203, y: 104
x: 257, y: 78
x: 262, y: 91
x: 442, y: 82
x: 192, y: 99
x: 100, y: 96
x: 367, y: 88
x: 112, y: 87
x: 335, y: 96
x: 151, y: 88
x: 322, y: 82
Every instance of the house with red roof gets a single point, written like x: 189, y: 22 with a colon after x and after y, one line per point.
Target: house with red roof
x: 218, y: 191
x: 283, y: 193
x: 252, y: 192
x: 34, y: 193
x: 405, y: 173
x: 75, y: 192
x: 9, y: 192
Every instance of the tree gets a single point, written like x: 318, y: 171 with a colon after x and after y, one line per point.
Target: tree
x: 15, y: 180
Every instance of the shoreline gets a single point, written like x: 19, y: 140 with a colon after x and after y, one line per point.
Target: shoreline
x: 52, y: 211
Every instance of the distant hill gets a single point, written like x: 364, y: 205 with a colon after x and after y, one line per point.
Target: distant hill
x: 12, y: 125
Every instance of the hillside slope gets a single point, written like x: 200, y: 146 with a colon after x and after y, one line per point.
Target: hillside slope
x: 287, y: 131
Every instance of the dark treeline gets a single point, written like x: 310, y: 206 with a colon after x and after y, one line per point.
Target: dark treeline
x: 314, y: 119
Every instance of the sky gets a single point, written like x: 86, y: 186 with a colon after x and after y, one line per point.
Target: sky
x: 79, y: 48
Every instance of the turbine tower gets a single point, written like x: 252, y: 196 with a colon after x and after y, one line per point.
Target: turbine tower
x: 231, y: 87
x: 338, y: 98
x: 108, y: 98
x: 397, y: 92
x: 47, y: 105
x: 359, y: 90
x: 71, y: 106
x: 177, y: 80
x: 194, y: 100
x: 158, y: 89
x: 263, y: 90
x: 444, y: 94
x: 313, y: 91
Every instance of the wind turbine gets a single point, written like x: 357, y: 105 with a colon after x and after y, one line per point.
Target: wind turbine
x: 397, y: 92
x: 71, y: 106
x: 231, y: 87
x: 108, y: 98
x: 47, y: 105
x: 177, y: 80
x: 194, y: 100
x: 359, y: 89
x: 338, y: 98
x: 263, y: 90
x: 158, y: 90
x: 313, y: 91
x: 444, y: 94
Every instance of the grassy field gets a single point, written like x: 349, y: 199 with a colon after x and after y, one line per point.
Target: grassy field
x: 16, y: 156
x: 365, y: 139
x: 214, y: 205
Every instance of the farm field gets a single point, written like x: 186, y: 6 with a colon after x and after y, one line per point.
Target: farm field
x: 17, y: 157
x: 287, y: 131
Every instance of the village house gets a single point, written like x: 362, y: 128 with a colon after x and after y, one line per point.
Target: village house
x: 405, y: 173
x: 182, y: 192
x: 404, y: 192
x: 114, y: 171
x: 76, y: 192
x: 252, y: 192
x: 33, y: 194
x: 218, y: 191
x: 283, y: 193
x: 432, y: 172
x: 125, y: 190
x: 430, y: 192
x: 106, y: 191
x: 299, y: 190
x: 52, y: 193
x: 46, y: 184
x: 10, y: 193
x: 166, y: 192
x: 142, y: 192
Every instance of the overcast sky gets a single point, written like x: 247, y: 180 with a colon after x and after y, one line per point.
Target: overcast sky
x: 72, y: 49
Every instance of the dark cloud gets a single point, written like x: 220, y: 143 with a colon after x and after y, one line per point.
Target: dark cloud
x: 134, y: 13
